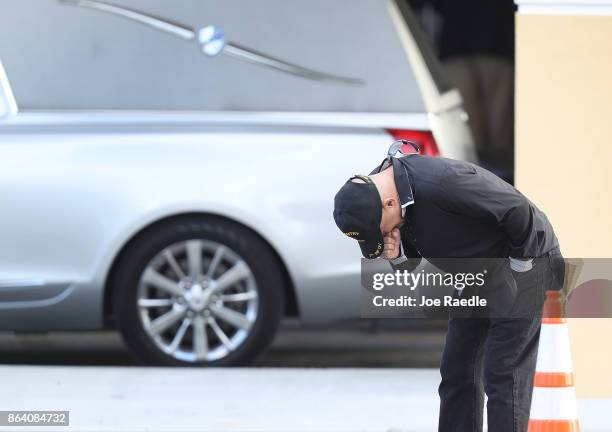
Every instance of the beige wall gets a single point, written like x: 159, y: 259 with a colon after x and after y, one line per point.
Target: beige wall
x: 564, y: 154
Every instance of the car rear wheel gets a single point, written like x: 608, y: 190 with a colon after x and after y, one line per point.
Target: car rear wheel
x: 198, y: 292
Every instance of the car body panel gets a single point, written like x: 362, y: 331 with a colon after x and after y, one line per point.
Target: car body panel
x: 8, y: 105
x: 75, y: 198
x: 76, y: 58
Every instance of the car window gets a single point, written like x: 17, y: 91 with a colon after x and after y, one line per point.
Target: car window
x: 441, y: 80
x: 66, y: 57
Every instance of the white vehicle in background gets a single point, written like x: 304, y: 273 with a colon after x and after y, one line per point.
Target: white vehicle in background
x: 176, y: 181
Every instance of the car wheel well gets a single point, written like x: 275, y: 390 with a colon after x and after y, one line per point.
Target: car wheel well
x: 290, y: 307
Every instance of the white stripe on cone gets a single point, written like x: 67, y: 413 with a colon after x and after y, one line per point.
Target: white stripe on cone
x: 554, y: 352
x: 553, y: 403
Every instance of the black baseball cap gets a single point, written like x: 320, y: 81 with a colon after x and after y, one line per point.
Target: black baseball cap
x: 358, y: 212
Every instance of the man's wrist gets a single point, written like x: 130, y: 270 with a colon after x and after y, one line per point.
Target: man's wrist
x: 400, y: 258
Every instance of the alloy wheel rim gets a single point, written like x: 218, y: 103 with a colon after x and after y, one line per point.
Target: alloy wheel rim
x: 197, y: 300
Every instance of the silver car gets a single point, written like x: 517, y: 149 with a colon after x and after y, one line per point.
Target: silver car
x: 168, y: 168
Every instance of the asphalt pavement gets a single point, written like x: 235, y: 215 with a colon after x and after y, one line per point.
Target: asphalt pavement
x: 130, y: 399
x: 312, y: 380
x: 376, y: 343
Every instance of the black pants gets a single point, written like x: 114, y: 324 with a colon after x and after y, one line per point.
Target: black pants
x: 496, y: 357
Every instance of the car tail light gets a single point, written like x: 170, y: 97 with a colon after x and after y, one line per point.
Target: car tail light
x: 424, y: 139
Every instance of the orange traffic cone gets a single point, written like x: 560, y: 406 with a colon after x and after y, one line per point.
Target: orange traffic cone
x: 553, y: 403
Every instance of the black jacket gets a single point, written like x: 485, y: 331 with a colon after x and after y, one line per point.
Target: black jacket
x: 460, y: 210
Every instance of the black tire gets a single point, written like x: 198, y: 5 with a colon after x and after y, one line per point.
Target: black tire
x: 263, y: 263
